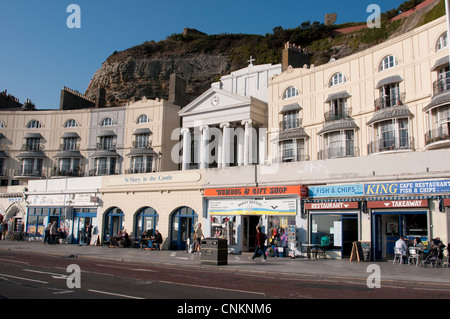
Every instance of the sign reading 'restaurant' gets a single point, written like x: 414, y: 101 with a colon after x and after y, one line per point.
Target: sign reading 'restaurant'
x: 257, y: 191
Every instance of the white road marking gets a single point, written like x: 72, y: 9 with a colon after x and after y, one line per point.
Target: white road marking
x: 114, y: 294
x: 214, y: 288
x: 26, y: 279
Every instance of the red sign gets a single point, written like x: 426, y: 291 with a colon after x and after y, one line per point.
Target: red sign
x: 336, y: 205
x: 447, y: 202
x: 398, y: 203
x: 298, y: 190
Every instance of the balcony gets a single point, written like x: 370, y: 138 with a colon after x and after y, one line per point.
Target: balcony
x: 290, y: 124
x: 139, y: 170
x: 103, y: 172
x: 339, y: 114
x: 401, y: 143
x: 338, y: 152
x: 36, y: 147
x: 390, y: 101
x: 28, y: 173
x: 288, y: 156
x: 106, y: 146
x: 438, y: 138
x: 441, y: 85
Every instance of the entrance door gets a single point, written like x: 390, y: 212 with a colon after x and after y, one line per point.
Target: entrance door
x: 79, y: 230
x: 249, y: 224
x: 182, y: 228
x: 349, y: 234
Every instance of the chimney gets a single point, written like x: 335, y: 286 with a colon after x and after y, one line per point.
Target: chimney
x: 100, y: 98
x: 294, y: 56
x: 177, y: 90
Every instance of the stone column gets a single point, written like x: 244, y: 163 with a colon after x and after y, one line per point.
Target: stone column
x: 225, y: 155
x: 204, y: 152
x: 247, y: 141
x: 186, y: 148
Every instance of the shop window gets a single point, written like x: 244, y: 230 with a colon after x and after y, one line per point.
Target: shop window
x: 224, y: 227
x: 278, y: 230
x: 415, y: 225
x: 323, y: 226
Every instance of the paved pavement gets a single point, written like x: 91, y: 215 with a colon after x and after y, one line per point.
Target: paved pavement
x: 321, y: 268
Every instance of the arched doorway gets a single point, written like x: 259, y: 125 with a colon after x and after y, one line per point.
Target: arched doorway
x: 181, y: 227
x: 146, y: 220
x: 114, y: 220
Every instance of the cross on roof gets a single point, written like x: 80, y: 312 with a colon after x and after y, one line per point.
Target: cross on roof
x: 251, y: 60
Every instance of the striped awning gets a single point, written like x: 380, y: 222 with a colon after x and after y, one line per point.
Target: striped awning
x: 336, y: 96
x: 389, y: 80
x: 370, y: 199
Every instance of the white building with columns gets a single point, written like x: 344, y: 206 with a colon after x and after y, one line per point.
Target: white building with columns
x: 226, y: 126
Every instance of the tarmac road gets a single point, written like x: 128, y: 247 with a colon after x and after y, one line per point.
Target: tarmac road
x: 38, y: 275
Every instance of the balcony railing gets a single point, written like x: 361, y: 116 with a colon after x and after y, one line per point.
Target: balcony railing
x: 437, y: 135
x: 291, y: 124
x: 106, y: 146
x: 289, y: 156
x: 338, y: 152
x: 103, y: 172
x: 139, y: 170
x: 391, y: 144
x: 442, y: 85
x: 390, y: 101
x: 340, y: 114
x: 32, y: 147
x: 28, y: 172
x: 69, y: 147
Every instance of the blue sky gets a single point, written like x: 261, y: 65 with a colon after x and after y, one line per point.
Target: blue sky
x: 39, y: 54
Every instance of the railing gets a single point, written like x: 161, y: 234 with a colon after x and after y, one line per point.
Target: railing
x: 442, y: 85
x: 28, y: 172
x: 106, y: 146
x: 69, y: 147
x: 338, y: 152
x: 288, y: 157
x: 291, y: 124
x: 103, y: 172
x: 390, y: 101
x: 391, y: 144
x: 139, y: 170
x: 141, y: 145
x: 32, y: 147
x: 440, y: 134
x: 340, y: 114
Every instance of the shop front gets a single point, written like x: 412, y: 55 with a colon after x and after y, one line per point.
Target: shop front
x: 67, y: 202
x: 235, y: 213
x: 334, y: 218
x: 408, y: 209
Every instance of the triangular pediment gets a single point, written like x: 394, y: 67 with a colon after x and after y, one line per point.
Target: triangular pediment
x: 213, y: 100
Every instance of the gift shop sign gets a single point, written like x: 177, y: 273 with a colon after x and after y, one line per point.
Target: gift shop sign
x: 398, y: 203
x: 298, y: 190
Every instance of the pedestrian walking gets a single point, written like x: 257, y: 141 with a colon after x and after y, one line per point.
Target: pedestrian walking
x: 53, y: 232
x: 198, y: 239
x: 260, y: 244
x: 47, y: 234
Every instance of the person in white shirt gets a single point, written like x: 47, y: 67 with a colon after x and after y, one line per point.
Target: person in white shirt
x: 402, y: 246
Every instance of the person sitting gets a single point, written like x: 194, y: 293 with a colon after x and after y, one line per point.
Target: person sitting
x: 143, y: 243
x: 125, y: 239
x: 401, y: 245
x: 157, y: 240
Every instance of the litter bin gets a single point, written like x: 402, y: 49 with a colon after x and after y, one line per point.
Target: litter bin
x: 214, y: 251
